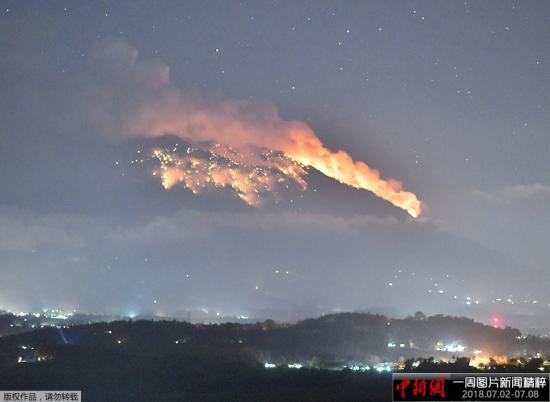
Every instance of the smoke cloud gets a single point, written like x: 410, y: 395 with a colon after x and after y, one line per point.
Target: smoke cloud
x: 239, y: 144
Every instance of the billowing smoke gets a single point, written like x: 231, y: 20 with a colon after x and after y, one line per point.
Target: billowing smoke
x: 242, y: 145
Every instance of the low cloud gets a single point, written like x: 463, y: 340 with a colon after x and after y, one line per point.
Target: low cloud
x: 192, y: 225
x: 517, y: 192
x: 526, y: 191
x: 23, y: 231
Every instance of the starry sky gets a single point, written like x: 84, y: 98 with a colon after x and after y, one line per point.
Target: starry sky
x: 450, y: 98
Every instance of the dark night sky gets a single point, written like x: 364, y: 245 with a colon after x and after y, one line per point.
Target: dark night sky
x: 451, y: 98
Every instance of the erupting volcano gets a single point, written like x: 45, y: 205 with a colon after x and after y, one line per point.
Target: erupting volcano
x: 242, y: 145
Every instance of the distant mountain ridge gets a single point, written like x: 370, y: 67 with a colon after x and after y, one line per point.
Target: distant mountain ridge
x: 335, y: 337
